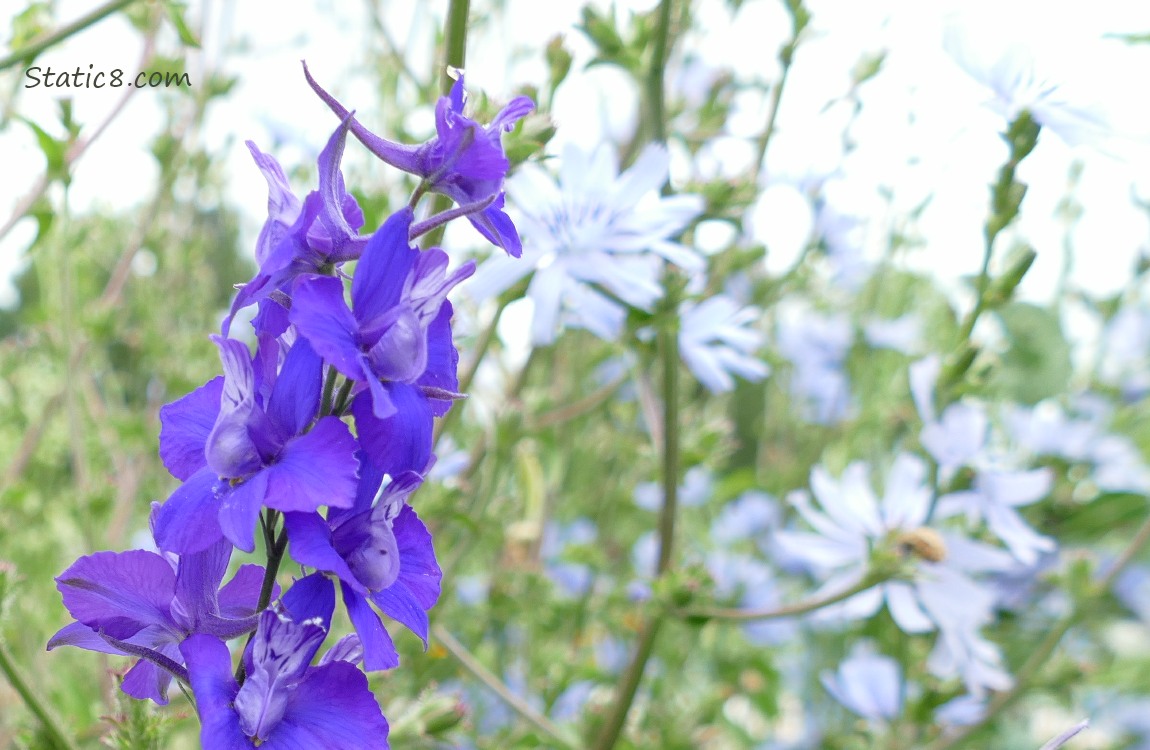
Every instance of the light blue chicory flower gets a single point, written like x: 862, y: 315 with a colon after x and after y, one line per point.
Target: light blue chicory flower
x: 596, y: 227
x: 867, y: 684
x: 716, y: 339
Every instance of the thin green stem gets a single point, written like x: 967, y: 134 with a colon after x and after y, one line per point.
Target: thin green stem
x: 655, y: 89
x: 454, y: 56
x: 30, y: 50
x: 981, y: 287
x: 38, y: 707
x: 484, y: 675
x: 764, y: 139
x: 671, y: 445
x: 275, y: 546
x: 455, y: 40
x: 341, y: 398
x: 325, y: 403
x: 654, y: 93
x: 734, y: 614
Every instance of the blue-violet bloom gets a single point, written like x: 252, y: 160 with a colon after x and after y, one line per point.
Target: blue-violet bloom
x: 242, y: 441
x: 299, y: 237
x: 381, y: 553
x: 140, y: 603
x: 395, y: 342
x: 464, y: 161
x: 284, y: 702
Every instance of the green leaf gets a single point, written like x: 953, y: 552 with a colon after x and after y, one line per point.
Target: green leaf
x: 55, y: 151
x: 1037, y: 365
x: 175, y: 13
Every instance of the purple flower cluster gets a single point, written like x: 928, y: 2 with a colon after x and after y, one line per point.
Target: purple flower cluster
x: 267, y: 445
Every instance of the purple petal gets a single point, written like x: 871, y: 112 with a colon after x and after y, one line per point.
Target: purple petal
x: 295, y: 397
x: 311, y: 545
x: 321, y: 315
x: 283, y: 205
x: 383, y: 269
x: 240, y: 508
x: 401, y: 351
x: 401, y: 442
x: 418, y: 586
x: 147, y: 681
x: 496, y: 226
x: 309, y: 598
x: 210, y: 669
x: 198, y: 578
x: 230, y: 450
x: 81, y: 636
x: 271, y: 320
x: 315, y: 469
x: 370, y: 479
x: 280, y: 652
x: 378, y: 650
x: 397, y: 155
x: 332, y: 708
x: 331, y: 188
x: 240, y: 596
x: 184, y: 428
x: 442, y: 360
x: 189, y: 521
x: 368, y: 545
x: 119, y: 593
x: 516, y: 109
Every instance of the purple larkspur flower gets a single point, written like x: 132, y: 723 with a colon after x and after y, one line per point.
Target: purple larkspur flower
x: 464, y: 161
x: 300, y: 237
x: 285, y: 703
x: 395, y: 341
x: 140, y: 603
x: 382, y: 554
x: 250, y: 439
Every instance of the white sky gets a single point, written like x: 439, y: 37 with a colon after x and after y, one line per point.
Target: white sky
x: 924, y: 128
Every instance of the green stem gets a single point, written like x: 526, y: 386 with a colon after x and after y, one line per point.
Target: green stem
x: 764, y: 139
x: 454, y: 56
x: 275, y: 547
x: 37, y: 46
x: 654, y: 92
x: 484, y: 675
x: 325, y: 402
x: 669, y: 510
x: 982, y: 285
x: 655, y: 89
x: 40, y: 709
x: 735, y: 614
x: 341, y: 397
x: 455, y: 42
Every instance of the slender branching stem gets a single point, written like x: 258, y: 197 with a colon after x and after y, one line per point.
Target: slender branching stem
x: 484, y: 675
x: 35, y: 47
x: 736, y: 614
x: 39, y: 708
x: 654, y: 91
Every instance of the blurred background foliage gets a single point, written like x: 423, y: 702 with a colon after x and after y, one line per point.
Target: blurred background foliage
x: 534, y: 517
